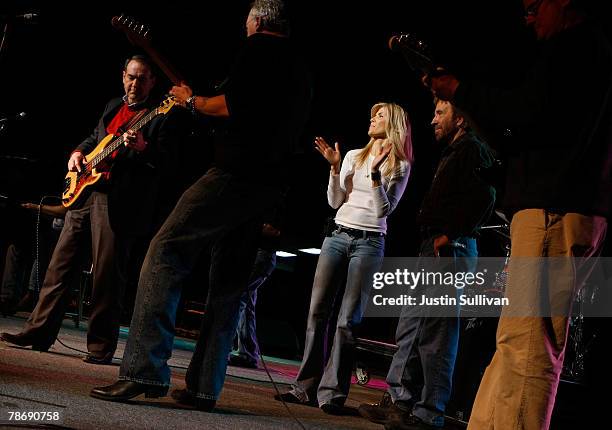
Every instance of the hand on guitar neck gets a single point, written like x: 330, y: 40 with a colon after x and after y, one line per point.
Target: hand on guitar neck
x: 134, y: 140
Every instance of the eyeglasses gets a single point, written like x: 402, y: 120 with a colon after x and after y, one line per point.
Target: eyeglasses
x: 532, y: 10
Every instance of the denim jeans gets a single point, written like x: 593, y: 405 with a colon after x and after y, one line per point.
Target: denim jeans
x: 220, y: 212
x: 421, y: 371
x: 342, y: 256
x: 248, y: 347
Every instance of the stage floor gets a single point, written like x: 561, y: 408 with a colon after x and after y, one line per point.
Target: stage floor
x: 59, y: 381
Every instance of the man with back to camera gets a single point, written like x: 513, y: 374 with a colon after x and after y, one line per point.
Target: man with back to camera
x: 223, y: 211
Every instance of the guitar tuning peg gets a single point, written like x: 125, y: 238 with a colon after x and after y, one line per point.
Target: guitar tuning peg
x: 146, y: 33
x: 142, y: 29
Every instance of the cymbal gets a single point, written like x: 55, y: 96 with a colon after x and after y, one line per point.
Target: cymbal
x: 502, y: 216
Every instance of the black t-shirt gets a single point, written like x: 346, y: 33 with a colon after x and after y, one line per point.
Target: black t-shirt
x: 268, y: 96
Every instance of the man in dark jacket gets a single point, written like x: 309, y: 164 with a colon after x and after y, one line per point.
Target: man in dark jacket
x: 558, y: 188
x: 458, y: 202
x: 116, y: 214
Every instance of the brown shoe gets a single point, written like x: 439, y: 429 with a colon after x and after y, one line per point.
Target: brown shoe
x: 383, y: 411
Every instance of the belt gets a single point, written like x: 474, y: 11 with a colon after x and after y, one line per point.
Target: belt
x: 356, y: 233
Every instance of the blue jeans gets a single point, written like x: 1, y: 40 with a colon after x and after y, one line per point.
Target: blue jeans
x: 421, y: 371
x: 341, y: 256
x: 248, y: 347
x: 218, y: 212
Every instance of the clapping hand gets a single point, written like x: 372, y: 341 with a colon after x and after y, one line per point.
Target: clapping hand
x: 382, y: 155
x: 332, y: 156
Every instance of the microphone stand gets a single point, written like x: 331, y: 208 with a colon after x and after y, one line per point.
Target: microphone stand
x: 7, y: 27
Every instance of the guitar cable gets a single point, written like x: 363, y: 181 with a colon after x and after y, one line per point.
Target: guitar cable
x: 37, y: 243
x: 289, y: 411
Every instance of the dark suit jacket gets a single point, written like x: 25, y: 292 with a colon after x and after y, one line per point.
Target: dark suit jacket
x: 144, y: 186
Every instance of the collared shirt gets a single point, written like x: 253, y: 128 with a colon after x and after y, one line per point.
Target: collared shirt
x: 459, y: 200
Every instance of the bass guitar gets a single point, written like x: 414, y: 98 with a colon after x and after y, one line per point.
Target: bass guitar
x: 92, y: 171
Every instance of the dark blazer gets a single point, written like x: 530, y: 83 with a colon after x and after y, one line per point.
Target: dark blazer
x: 144, y: 186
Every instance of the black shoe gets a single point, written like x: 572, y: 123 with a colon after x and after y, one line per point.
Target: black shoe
x: 21, y: 339
x: 241, y: 361
x: 125, y: 390
x: 92, y: 359
x: 185, y: 398
x: 383, y: 411
x: 409, y: 422
x: 292, y: 398
x: 332, y: 408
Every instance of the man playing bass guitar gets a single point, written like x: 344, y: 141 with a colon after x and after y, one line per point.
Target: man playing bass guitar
x: 117, y: 215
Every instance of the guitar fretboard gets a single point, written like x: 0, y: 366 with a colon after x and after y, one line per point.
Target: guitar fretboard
x: 116, y: 143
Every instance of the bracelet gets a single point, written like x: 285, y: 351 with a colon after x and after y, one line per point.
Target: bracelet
x: 190, y: 104
x: 375, y: 175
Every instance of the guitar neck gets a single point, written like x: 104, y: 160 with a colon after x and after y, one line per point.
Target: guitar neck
x: 116, y: 143
x: 165, y: 66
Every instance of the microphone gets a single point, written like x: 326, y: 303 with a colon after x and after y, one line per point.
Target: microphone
x: 20, y: 115
x: 27, y: 18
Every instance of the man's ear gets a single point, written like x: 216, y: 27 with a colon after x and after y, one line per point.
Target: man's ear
x: 258, y: 24
x: 460, y: 121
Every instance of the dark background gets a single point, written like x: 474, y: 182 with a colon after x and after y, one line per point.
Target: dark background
x: 62, y: 70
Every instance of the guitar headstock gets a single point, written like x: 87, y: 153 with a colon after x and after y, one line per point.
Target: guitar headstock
x: 136, y: 32
x: 407, y: 40
x: 415, y: 51
x: 166, y: 105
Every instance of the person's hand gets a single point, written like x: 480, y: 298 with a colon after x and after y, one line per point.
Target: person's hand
x: 332, y: 156
x: 181, y: 93
x: 76, y: 162
x: 382, y: 155
x: 442, y: 85
x: 134, y: 140
x: 440, y: 242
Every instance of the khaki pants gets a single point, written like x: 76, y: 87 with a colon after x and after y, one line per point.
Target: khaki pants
x: 519, y: 386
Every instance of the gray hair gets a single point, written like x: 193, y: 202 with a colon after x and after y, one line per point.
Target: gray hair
x: 273, y: 15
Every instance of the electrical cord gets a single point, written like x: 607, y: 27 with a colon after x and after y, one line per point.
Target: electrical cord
x: 37, y: 248
x: 263, y: 362
x: 291, y: 414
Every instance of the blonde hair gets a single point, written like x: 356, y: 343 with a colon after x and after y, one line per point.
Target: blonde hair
x: 399, y: 135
